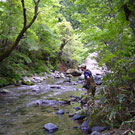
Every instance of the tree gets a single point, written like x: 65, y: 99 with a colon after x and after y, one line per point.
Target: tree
x: 26, y: 26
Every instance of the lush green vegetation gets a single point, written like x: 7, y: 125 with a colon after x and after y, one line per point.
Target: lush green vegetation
x: 38, y: 48
x: 109, y: 27
x: 68, y: 30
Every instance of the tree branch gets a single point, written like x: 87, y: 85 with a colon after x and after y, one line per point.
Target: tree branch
x: 24, y: 13
x: 35, y: 14
x: 64, y: 42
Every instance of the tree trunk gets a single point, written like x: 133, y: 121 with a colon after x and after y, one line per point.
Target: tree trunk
x: 64, y: 42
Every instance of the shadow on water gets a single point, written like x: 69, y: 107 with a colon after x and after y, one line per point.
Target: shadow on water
x: 17, y: 118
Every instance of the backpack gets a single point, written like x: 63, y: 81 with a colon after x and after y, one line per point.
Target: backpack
x: 87, y: 73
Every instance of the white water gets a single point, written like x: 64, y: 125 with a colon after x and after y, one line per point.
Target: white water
x: 92, y: 65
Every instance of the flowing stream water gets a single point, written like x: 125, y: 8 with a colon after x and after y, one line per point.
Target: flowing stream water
x: 20, y: 114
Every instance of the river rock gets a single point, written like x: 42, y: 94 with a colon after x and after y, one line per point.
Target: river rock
x: 37, y: 79
x: 27, y: 81
x: 77, y: 108
x: 81, y: 77
x: 62, y: 75
x: 75, y: 127
x: 68, y: 79
x: 60, y: 82
x: 55, y: 87
x: 71, y: 115
x: 79, y: 117
x: 64, y: 102
x: 74, y: 83
x: 56, y: 74
x: 60, y: 111
x: 37, y: 102
x: 73, y: 72
x: 52, y: 102
x: 4, y: 91
x: 50, y: 127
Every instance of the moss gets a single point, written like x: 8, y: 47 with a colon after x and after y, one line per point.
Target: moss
x: 28, y: 83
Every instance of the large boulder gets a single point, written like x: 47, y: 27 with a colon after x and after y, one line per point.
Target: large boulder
x: 74, y: 72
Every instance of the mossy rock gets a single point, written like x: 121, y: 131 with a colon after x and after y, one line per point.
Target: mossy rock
x: 28, y: 83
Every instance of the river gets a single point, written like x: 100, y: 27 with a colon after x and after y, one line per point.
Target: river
x: 22, y: 114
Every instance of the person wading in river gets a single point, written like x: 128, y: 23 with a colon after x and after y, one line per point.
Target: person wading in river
x: 90, y: 84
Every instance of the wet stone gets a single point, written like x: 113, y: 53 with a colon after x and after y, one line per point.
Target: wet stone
x: 55, y: 87
x: 71, y: 115
x: 50, y: 127
x: 39, y: 102
x: 60, y: 111
x: 75, y: 127
x: 77, y: 108
x: 64, y: 102
x: 79, y: 117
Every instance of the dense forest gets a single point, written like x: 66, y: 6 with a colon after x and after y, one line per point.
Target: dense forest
x: 38, y: 36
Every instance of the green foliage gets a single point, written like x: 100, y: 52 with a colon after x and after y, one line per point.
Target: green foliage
x: 108, y: 28
x: 4, y: 82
